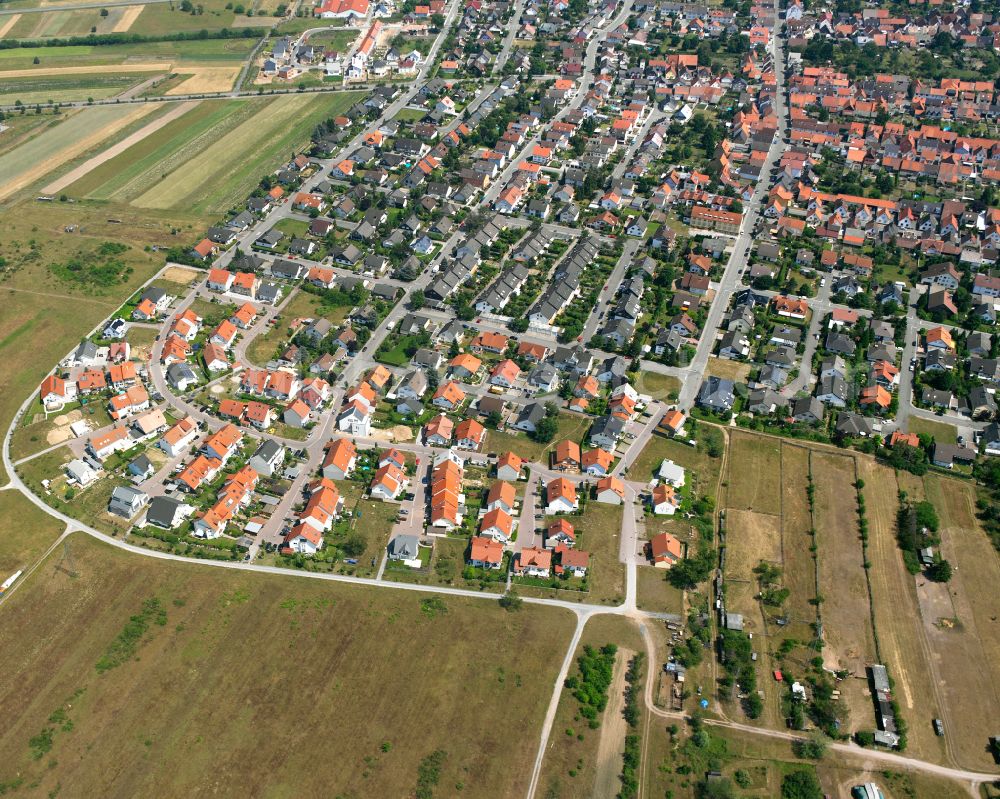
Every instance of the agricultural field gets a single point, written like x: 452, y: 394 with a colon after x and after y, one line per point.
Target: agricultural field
x: 797, y: 561
x: 211, y: 156
x: 69, y: 86
x: 62, y: 23
x: 212, y: 661
x: 55, y: 146
x: 153, y: 56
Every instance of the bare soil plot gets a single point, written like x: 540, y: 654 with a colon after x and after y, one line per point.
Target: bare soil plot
x: 184, y: 275
x: 902, y: 641
x: 53, y: 148
x: 754, y: 473
x: 751, y: 538
x: 845, y: 610
x: 89, y: 165
x: 967, y: 647
x: 217, y: 669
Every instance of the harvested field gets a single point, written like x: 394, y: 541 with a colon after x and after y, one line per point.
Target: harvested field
x: 751, y: 538
x: 88, y: 166
x: 902, y: 640
x: 127, y: 19
x: 158, y: 700
x: 53, y: 148
x: 754, y: 473
x: 966, y: 648
x: 846, y: 610
x: 206, y: 80
x: 8, y: 23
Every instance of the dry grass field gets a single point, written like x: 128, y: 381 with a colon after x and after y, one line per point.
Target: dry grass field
x: 570, y: 766
x: 49, y: 313
x: 282, y: 673
x: 902, y: 640
x: 966, y: 647
x: 751, y: 538
x: 702, y: 470
x: 754, y: 473
x: 654, y: 593
x: 798, y: 565
x: 845, y: 607
x: 571, y: 425
x: 732, y: 370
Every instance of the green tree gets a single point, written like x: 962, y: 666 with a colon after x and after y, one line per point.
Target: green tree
x: 801, y: 785
x: 939, y: 571
x: 546, y: 430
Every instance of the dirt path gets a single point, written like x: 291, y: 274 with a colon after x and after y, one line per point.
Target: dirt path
x: 74, y: 175
x: 613, y: 729
x: 10, y: 23
x: 127, y: 19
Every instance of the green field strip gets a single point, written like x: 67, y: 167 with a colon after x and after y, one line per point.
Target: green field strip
x: 177, y: 53
x: 60, y: 88
x: 138, y: 168
x: 240, y: 176
x: 214, y: 163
